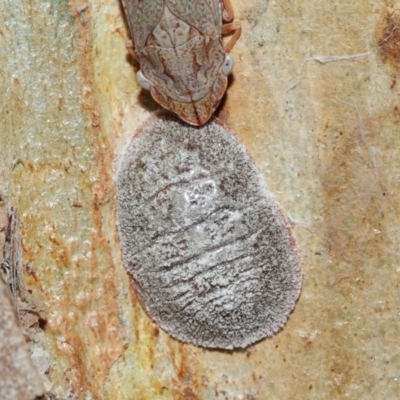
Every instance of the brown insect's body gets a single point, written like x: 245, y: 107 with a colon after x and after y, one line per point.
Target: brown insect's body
x: 183, y: 61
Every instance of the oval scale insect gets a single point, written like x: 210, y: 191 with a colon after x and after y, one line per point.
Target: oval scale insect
x: 210, y: 252
x: 183, y: 61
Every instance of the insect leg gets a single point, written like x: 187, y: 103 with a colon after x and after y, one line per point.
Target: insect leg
x: 230, y: 27
x: 235, y: 29
x: 130, y: 46
x: 227, y: 14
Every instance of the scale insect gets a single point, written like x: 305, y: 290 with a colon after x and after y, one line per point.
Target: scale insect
x: 183, y: 61
x: 212, y: 257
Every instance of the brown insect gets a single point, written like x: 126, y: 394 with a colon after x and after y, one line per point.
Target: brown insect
x: 183, y: 61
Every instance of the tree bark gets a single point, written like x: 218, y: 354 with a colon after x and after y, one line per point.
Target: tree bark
x: 314, y: 97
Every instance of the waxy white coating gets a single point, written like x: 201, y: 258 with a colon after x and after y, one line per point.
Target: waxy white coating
x: 210, y: 252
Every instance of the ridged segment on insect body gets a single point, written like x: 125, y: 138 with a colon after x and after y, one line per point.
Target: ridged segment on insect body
x: 183, y: 61
x: 209, y: 250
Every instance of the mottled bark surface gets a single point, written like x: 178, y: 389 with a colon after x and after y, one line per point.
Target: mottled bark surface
x: 315, y: 99
x: 19, y: 377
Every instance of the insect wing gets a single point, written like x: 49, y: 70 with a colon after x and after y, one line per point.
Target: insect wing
x: 203, y: 15
x: 142, y: 16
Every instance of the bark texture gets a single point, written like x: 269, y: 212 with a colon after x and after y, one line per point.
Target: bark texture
x: 315, y: 99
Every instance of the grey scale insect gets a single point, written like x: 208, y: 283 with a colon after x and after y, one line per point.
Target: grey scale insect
x: 209, y: 250
x: 183, y: 61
